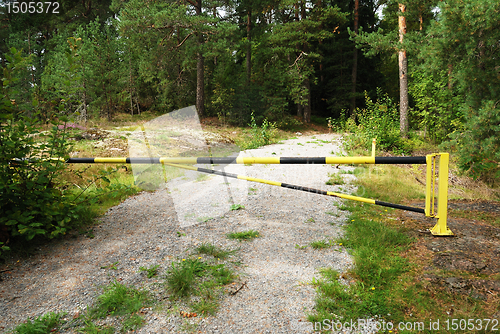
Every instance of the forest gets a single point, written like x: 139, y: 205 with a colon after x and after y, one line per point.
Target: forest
x: 420, y: 76
x: 430, y: 66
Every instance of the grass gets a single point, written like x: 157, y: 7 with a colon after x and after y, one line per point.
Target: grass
x: 335, y: 179
x: 119, y: 299
x: 321, y: 244
x: 244, y: 235
x: 237, y: 207
x: 151, y: 271
x: 212, y: 250
x: 46, y: 323
x: 198, y: 283
x: 386, y: 281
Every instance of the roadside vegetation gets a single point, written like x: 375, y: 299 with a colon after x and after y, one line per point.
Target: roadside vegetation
x: 194, y: 287
x: 390, y: 280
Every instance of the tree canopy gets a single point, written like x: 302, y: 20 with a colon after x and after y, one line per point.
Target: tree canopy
x: 273, y: 58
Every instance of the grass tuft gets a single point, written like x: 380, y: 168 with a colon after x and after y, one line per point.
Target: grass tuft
x: 321, y: 244
x: 46, y: 323
x: 216, y: 252
x: 245, y: 235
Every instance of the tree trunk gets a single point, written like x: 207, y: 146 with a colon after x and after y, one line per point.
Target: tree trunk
x: 300, y: 110
x: 307, y: 107
x: 403, y: 76
x: 355, y: 59
x: 249, y: 46
x: 130, y: 83
x: 321, y: 77
x: 200, y: 72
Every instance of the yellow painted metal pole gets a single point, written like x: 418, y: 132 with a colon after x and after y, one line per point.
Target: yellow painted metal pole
x: 441, y: 228
x: 429, y: 191
x: 373, y: 147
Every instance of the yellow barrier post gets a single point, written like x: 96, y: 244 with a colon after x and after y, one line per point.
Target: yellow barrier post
x: 441, y: 227
x: 373, y: 147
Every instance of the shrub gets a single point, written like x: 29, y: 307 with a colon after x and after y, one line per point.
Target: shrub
x: 479, y: 145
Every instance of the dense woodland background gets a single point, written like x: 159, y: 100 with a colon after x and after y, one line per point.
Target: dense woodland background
x: 435, y: 64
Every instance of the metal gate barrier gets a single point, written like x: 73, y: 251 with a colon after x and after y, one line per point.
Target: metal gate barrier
x: 434, y: 169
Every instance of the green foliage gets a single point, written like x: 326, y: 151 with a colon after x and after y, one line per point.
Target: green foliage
x: 479, y: 146
x: 435, y: 109
x: 237, y: 207
x: 195, y: 277
x: 244, y: 235
x: 30, y: 197
x: 91, y: 328
x: 216, y: 252
x: 182, y: 275
x: 151, y: 271
x: 465, y: 42
x: 260, y: 135
x: 375, y: 247
x: 335, y: 179
x: 44, y: 324
x: 119, y: 299
x: 378, y: 120
x: 321, y: 244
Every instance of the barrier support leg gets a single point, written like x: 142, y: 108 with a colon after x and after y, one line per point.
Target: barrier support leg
x: 441, y: 228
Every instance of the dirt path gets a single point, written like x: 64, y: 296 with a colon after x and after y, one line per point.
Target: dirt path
x: 143, y: 231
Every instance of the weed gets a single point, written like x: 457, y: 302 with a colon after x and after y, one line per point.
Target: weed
x: 91, y: 328
x: 329, y: 274
x: 343, y: 207
x: 204, y: 219
x: 182, y: 275
x: 216, y: 252
x: 245, y: 235
x: 320, y: 244
x: 205, y: 307
x: 203, y: 280
x: 111, y: 266
x: 297, y: 246
x: 222, y: 274
x: 119, y: 299
x: 237, y: 207
x: 310, y: 220
x: 335, y: 179
x: 181, y: 234
x: 151, y: 271
x: 132, y: 323
x: 332, y: 214
x: 44, y: 324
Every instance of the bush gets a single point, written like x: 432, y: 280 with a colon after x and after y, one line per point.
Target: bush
x: 479, y: 145
x: 32, y: 201
x: 380, y: 121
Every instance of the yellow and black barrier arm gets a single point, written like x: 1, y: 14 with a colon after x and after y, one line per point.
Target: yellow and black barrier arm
x: 256, y: 160
x: 295, y: 187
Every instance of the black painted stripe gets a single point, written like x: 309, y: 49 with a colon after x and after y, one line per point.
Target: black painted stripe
x: 400, y: 160
x: 216, y: 160
x: 80, y: 161
x: 217, y: 172
x: 401, y: 207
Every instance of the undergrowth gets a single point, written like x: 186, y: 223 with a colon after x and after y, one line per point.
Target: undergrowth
x: 386, y: 283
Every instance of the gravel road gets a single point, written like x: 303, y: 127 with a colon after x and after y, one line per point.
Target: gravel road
x: 143, y: 231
